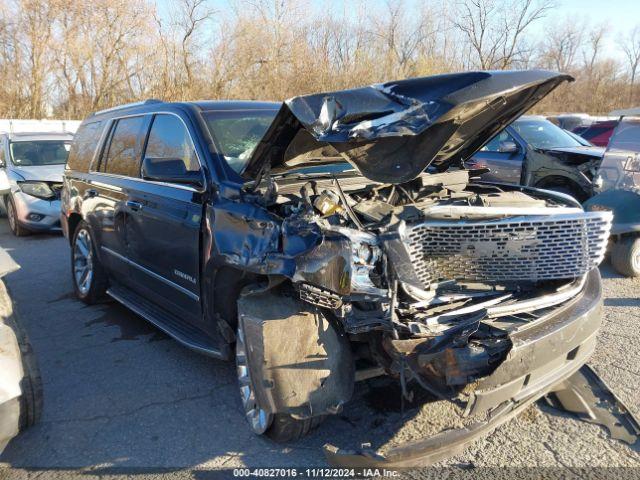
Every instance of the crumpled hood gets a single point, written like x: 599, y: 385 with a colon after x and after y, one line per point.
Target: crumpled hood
x: 45, y: 173
x: 392, y: 132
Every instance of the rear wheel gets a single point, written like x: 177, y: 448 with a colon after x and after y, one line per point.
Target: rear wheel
x: 12, y: 217
x: 89, y: 278
x: 279, y: 427
x: 625, y: 256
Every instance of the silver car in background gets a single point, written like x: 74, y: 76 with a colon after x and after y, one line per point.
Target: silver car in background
x: 33, y: 164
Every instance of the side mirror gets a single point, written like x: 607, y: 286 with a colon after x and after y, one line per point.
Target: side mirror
x: 170, y: 170
x: 508, y: 146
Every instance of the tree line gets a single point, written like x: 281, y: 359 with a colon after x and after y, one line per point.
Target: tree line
x: 67, y: 58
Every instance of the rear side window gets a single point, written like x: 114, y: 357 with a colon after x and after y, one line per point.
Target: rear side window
x: 2, y: 162
x: 122, y: 155
x: 84, y: 145
x: 169, y: 140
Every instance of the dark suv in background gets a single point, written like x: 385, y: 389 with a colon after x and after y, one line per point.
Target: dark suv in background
x: 535, y: 152
x: 337, y: 235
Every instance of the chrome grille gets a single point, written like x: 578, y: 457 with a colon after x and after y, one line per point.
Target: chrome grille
x: 517, y: 248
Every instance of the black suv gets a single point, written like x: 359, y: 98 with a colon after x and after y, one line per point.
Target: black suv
x: 338, y: 235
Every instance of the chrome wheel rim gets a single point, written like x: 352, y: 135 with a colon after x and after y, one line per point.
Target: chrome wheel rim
x: 259, y: 420
x: 636, y: 261
x: 83, y: 261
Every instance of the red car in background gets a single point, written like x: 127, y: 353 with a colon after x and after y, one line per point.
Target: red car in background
x: 598, y: 133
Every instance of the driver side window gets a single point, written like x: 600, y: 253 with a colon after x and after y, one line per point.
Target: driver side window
x: 493, y: 145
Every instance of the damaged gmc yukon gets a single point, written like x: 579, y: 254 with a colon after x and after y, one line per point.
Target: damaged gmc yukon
x: 336, y: 235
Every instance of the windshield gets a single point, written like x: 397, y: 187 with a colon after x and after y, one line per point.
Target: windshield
x: 39, y: 152
x: 620, y: 168
x: 541, y: 133
x: 236, y: 133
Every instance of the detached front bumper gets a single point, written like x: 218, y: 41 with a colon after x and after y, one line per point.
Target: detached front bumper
x: 35, y: 213
x: 543, y: 355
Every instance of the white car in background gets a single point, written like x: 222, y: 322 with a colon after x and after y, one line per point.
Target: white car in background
x: 33, y: 155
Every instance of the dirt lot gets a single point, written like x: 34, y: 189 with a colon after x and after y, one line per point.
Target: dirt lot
x: 121, y: 395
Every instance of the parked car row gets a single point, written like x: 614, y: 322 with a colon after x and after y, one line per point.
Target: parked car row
x: 599, y: 132
x: 338, y: 234
x: 596, y: 130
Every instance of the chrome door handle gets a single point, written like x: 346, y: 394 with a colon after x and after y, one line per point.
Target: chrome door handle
x: 135, y: 206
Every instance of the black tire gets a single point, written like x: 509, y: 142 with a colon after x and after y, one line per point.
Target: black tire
x: 285, y: 428
x: 93, y: 292
x: 31, y: 386
x: 625, y: 256
x: 31, y: 383
x: 12, y: 218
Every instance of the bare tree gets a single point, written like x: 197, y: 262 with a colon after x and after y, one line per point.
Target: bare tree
x: 562, y: 44
x: 69, y: 57
x: 631, y: 47
x: 403, y: 37
x: 494, y: 29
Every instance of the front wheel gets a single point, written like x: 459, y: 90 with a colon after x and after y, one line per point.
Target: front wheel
x: 12, y: 217
x: 89, y: 278
x: 279, y: 427
x: 625, y: 256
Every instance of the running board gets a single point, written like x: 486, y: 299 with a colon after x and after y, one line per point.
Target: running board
x: 188, y: 335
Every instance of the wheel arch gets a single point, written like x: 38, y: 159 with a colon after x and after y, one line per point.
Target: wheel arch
x: 556, y: 180
x: 221, y: 289
x: 73, y: 221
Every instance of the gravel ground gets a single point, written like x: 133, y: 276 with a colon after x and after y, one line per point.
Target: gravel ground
x: 120, y: 396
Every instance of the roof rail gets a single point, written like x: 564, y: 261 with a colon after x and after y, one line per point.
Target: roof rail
x: 128, y: 105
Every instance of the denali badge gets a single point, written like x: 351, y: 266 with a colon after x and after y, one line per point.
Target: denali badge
x: 184, y: 276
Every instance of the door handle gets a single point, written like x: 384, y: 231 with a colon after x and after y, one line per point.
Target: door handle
x: 91, y: 193
x: 135, y: 206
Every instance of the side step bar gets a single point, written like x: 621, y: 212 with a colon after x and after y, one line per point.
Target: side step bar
x: 188, y: 335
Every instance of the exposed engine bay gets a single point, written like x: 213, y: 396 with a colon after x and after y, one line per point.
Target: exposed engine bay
x: 439, y: 269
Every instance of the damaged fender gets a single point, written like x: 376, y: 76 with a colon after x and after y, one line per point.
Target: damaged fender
x: 547, y: 168
x: 299, y: 362
x: 248, y: 236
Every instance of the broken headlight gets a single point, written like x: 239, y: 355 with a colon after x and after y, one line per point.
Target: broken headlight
x: 365, y: 256
x: 37, y: 189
